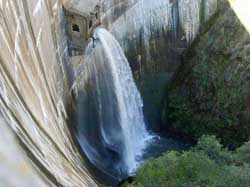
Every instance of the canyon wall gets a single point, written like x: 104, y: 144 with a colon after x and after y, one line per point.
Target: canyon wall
x: 210, y: 91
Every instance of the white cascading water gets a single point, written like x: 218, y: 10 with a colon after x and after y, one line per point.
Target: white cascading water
x: 129, y: 100
x: 110, y: 108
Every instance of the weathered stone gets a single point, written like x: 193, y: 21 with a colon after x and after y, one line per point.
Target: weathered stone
x: 210, y: 91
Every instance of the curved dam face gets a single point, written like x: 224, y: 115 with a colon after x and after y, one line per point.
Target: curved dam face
x: 34, y: 89
x: 39, y: 79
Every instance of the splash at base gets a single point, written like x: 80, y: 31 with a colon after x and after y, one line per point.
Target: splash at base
x: 110, y: 123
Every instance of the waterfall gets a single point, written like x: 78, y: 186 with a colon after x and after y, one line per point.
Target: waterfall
x: 110, y: 123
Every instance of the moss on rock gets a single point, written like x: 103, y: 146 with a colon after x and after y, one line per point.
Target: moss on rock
x: 211, y: 91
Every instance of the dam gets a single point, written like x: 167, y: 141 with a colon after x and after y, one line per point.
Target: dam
x: 82, y: 82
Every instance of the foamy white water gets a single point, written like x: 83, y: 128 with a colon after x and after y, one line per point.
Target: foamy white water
x: 129, y: 100
x: 110, y: 93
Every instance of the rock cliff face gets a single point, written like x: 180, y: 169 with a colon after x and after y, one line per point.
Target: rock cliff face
x: 210, y: 92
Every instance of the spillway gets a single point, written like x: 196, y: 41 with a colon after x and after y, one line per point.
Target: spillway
x: 110, y: 121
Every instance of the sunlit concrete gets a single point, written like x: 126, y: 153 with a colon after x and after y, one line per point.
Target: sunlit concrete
x: 82, y: 7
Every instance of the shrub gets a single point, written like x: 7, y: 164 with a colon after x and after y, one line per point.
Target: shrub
x: 211, y: 147
x: 206, y: 165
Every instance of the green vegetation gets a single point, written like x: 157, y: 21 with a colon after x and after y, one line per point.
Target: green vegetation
x: 208, y: 164
x: 210, y: 94
x: 211, y: 91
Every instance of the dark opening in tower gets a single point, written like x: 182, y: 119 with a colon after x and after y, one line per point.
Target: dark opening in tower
x: 75, y: 28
